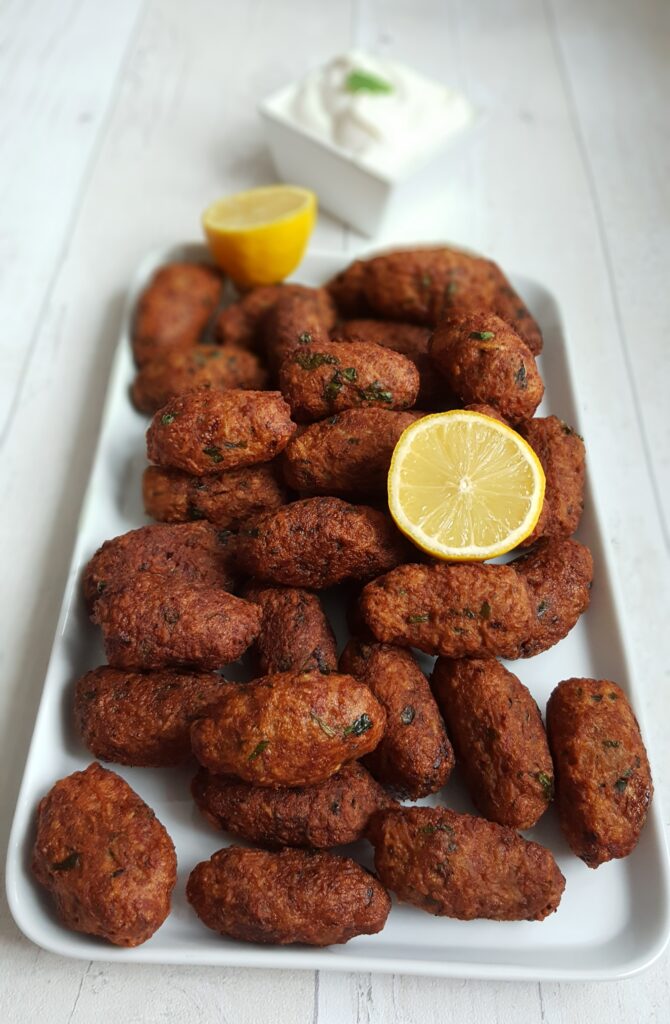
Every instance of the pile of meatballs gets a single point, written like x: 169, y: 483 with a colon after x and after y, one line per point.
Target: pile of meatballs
x: 274, y: 418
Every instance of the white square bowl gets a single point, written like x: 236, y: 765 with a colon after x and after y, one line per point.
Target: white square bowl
x: 346, y: 187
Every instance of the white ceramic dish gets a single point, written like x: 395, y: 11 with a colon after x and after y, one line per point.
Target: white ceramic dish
x: 611, y: 923
x: 367, y: 199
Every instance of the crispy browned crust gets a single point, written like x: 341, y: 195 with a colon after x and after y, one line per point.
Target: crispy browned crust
x: 304, y: 896
x: 423, y: 285
x: 500, y: 742
x: 349, y: 453
x: 415, y: 756
x: 484, y: 360
x: 558, y: 574
x: 183, y: 370
x: 603, y: 780
x: 106, y: 860
x: 323, y: 378
x: 229, y: 501
x: 299, y: 319
x: 562, y: 454
x: 331, y: 813
x: 295, y: 634
x: 289, y: 729
x: 456, y: 610
x: 192, y: 552
x: 142, y: 719
x: 151, y: 622
x: 456, y: 865
x: 347, y: 289
x: 486, y: 410
x: 174, y: 308
x: 410, y: 340
x: 242, y: 322
x: 206, y: 431
x: 319, y: 542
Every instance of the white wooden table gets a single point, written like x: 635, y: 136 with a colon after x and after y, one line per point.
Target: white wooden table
x: 118, y: 122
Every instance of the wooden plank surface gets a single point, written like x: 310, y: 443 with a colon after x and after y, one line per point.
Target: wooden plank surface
x: 567, y: 181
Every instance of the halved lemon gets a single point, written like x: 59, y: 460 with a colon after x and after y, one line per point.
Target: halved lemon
x: 464, y: 487
x: 260, y: 236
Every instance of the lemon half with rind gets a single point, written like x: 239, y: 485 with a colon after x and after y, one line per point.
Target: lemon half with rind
x: 259, y: 237
x: 464, y: 487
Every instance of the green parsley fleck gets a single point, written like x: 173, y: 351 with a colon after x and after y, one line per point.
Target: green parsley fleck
x: 485, y: 610
x: 482, y: 335
x: 596, y: 697
x: 541, y: 608
x: 376, y: 392
x: 359, y: 80
x: 611, y: 743
x: 167, y: 418
x: 547, y: 784
x: 258, y: 750
x: 520, y: 377
x: 312, y: 360
x: 304, y: 338
x: 418, y: 618
x: 214, y: 452
x: 358, y: 726
x: 323, y: 726
x: 407, y: 715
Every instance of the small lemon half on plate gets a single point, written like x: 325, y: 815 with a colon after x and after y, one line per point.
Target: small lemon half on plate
x: 464, y: 487
x: 260, y: 236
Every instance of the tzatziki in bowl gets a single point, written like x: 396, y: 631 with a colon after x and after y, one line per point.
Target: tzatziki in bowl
x: 358, y: 131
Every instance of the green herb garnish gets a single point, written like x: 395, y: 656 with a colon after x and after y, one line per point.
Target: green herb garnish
x: 312, y: 360
x: 485, y: 610
x: 611, y: 743
x: 350, y: 374
x: 359, y: 80
x: 482, y: 335
x: 70, y: 862
x: 358, y: 726
x: 418, y: 618
x: 258, y: 750
x: 547, y: 784
x: 304, y: 338
x: 407, y: 715
x: 541, y: 608
x: 376, y: 392
x: 167, y: 418
x: 328, y: 729
x: 597, y: 697
x: 520, y: 377
x: 214, y: 452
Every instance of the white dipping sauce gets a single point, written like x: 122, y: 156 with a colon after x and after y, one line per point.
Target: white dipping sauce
x: 379, y: 111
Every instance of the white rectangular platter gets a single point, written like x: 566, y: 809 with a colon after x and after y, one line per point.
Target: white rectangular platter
x: 611, y: 922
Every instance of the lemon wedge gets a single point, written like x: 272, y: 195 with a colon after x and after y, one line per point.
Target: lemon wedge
x: 260, y: 236
x: 464, y: 487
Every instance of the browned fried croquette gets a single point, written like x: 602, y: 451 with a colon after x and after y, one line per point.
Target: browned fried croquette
x: 305, y: 896
x: 229, y: 500
x: 319, y: 542
x: 106, y: 860
x: 295, y: 634
x: 142, y: 718
x: 330, y: 813
x: 206, y: 432
x: 201, y: 366
x: 174, y: 309
x: 456, y: 865
x: 289, y: 729
x: 603, y: 780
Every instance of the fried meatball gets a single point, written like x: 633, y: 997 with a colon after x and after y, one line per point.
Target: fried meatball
x: 558, y: 574
x: 207, y: 431
x: 174, y: 309
x: 151, y: 622
x: 561, y: 452
x: 349, y: 453
x: 410, y: 340
x: 331, y: 813
x: 230, y: 500
x: 500, y: 742
x: 142, y: 718
x: 484, y: 360
x: 414, y: 757
x: 106, y: 860
x: 319, y: 542
x: 289, y: 730
x: 424, y: 285
x: 456, y: 610
x: 325, y: 378
x: 486, y: 410
x: 192, y: 552
x: 305, y: 896
x: 603, y: 781
x: 295, y: 634
x: 201, y: 366
x: 300, y: 318
x: 456, y: 865
x: 241, y: 323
